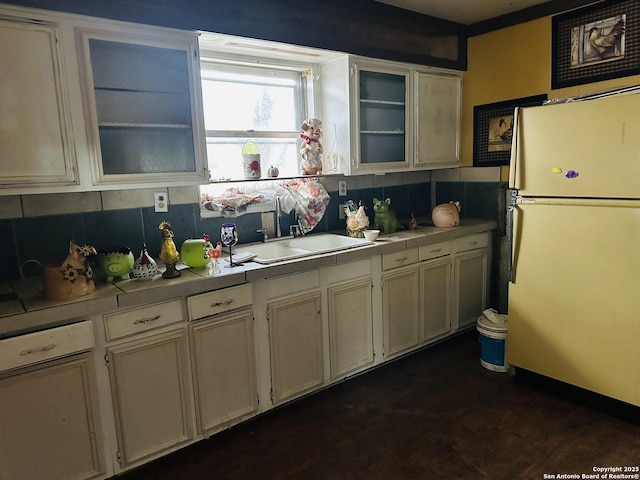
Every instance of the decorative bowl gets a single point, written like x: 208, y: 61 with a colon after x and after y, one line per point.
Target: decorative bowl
x: 371, y: 235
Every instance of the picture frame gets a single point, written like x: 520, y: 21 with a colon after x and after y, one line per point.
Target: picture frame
x: 595, y: 43
x: 492, y: 130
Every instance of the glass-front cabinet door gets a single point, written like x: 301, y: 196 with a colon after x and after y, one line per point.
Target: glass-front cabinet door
x: 143, y: 103
x: 382, y: 108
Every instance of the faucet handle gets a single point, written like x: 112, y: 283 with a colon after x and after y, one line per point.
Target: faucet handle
x: 265, y: 235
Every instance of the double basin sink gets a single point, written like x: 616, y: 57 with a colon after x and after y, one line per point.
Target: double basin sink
x: 292, y: 248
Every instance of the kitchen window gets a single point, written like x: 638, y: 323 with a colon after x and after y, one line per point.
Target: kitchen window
x: 264, y: 103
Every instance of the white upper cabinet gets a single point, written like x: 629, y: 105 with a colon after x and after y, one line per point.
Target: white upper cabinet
x: 438, y: 99
x: 93, y: 104
x: 380, y: 125
x: 385, y: 116
x: 143, y: 106
x: 36, y: 140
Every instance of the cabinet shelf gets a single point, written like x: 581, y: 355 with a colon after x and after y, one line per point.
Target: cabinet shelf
x: 144, y: 125
x: 141, y: 90
x: 382, y: 132
x: 382, y: 102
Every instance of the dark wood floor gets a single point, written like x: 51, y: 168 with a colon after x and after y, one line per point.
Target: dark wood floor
x: 436, y: 414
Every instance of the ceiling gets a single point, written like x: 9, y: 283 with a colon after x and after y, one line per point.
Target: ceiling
x: 466, y: 12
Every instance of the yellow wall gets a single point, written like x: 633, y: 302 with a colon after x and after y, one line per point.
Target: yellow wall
x: 512, y: 63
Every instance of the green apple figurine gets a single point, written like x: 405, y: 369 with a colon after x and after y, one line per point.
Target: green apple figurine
x: 193, y: 252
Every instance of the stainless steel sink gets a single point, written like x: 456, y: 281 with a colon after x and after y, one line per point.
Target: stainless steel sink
x: 289, y: 249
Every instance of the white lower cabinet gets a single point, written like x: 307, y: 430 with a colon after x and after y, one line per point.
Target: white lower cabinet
x: 471, y: 278
x: 350, y: 314
x: 400, y: 302
x: 224, y: 370
x: 295, y: 350
x: 183, y: 369
x: 435, y: 298
x: 295, y: 331
x: 441, y: 289
x: 172, y: 382
x: 150, y: 380
x: 435, y: 290
x: 49, y: 422
x: 149, y: 390
x: 223, y: 361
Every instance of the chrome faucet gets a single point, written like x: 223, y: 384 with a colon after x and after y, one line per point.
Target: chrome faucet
x: 277, y: 215
x: 295, y: 230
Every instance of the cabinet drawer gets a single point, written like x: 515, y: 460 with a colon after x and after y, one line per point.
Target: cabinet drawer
x: 219, y: 301
x: 427, y: 252
x: 141, y: 319
x: 292, y: 284
x: 471, y: 242
x: 399, y: 259
x: 45, y: 345
x: 348, y: 271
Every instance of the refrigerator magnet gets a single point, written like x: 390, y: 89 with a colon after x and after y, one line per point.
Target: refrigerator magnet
x: 571, y: 174
x: 556, y: 170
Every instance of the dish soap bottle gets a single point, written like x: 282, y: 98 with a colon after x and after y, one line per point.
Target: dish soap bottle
x: 251, y: 160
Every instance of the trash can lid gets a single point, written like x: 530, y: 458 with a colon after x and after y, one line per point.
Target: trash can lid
x: 487, y: 324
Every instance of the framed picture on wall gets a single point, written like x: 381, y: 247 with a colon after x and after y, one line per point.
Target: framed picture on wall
x: 595, y: 43
x: 493, y: 130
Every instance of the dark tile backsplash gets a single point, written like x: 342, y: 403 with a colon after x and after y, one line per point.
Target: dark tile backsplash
x: 477, y: 199
x: 419, y: 199
x: 123, y: 229
x: 8, y: 252
x: 452, y: 192
x: 182, y: 221
x: 47, y: 238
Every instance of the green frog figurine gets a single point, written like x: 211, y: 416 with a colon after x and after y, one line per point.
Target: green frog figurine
x: 385, y: 217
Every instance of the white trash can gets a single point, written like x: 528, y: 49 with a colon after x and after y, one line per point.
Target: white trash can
x: 493, y: 340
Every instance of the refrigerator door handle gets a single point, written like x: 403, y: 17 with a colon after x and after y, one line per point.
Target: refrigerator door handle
x: 513, y: 161
x: 513, y: 221
x: 510, y: 232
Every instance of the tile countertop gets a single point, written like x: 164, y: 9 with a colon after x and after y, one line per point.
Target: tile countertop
x: 23, y: 309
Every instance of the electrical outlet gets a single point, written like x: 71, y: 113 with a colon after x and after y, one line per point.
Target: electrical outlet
x: 341, y: 214
x: 342, y: 188
x: 161, y: 202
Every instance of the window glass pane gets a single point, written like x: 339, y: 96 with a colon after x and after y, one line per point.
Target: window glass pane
x: 245, y: 101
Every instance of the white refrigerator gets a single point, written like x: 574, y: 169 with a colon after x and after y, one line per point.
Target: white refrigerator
x: 574, y: 227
